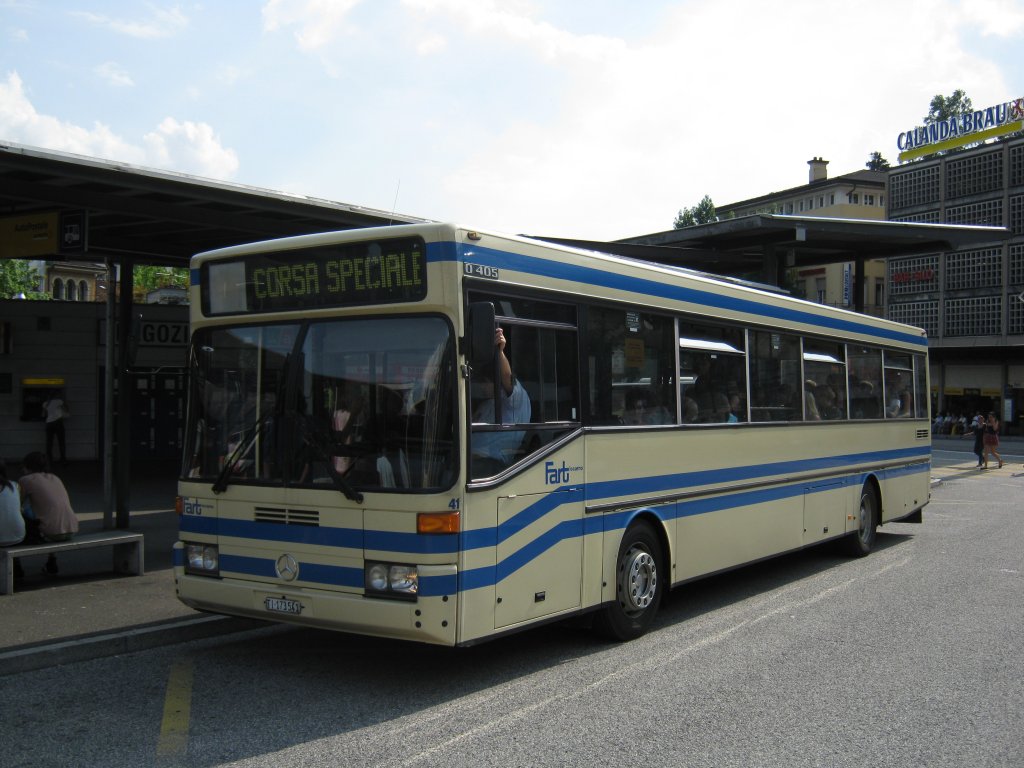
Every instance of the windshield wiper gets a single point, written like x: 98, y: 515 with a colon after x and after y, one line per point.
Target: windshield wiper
x: 243, y: 448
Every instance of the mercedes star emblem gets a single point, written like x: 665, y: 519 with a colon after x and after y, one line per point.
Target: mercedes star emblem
x: 287, y: 567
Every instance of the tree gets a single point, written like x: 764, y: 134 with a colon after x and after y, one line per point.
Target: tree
x: 702, y: 213
x: 146, y: 278
x: 942, y: 107
x: 877, y: 163
x: 18, y: 279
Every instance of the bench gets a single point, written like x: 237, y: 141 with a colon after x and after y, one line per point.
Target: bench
x: 129, y: 555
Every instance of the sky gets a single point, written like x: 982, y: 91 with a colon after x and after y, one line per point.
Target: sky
x: 563, y: 118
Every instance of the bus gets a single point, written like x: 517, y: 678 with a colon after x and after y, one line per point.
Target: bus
x: 355, y: 458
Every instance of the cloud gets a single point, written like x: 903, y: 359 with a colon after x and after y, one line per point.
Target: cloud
x: 995, y: 18
x: 162, y: 23
x: 189, y: 145
x: 647, y: 126
x: 114, y: 74
x: 317, y: 22
x: 20, y: 122
x: 185, y: 146
x: 515, y: 22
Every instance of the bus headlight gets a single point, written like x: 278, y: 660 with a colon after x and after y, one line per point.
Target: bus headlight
x: 202, y: 559
x: 392, y: 580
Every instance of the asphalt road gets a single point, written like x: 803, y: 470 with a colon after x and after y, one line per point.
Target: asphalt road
x: 909, y: 657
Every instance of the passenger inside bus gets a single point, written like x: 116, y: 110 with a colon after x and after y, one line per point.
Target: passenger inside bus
x: 642, y: 408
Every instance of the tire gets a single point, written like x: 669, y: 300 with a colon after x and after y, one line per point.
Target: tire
x: 640, y: 576
x: 862, y: 541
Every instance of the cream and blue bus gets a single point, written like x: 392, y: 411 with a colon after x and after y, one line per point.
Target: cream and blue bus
x: 355, y: 460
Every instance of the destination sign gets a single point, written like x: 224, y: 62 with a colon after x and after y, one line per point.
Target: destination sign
x: 346, y: 274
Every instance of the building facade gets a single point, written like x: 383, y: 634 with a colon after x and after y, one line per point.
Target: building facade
x: 970, y: 301
x: 857, y: 195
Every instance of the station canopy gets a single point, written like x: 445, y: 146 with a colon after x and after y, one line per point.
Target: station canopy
x: 762, y: 244
x: 154, y: 217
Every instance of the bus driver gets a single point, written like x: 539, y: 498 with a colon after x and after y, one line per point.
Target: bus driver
x: 492, y: 451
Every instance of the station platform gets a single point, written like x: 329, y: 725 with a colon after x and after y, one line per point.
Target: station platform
x: 86, y: 610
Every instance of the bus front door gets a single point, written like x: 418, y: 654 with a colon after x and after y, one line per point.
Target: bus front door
x: 540, y: 541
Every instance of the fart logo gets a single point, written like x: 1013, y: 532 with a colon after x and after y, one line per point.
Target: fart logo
x: 554, y: 475
x: 195, y: 507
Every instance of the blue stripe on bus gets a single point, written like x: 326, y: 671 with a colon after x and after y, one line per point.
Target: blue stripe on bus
x: 491, y: 575
x: 639, y: 486
x: 559, y: 270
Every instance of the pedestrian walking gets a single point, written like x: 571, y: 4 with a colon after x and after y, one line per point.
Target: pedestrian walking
x: 991, y: 439
x: 976, y: 429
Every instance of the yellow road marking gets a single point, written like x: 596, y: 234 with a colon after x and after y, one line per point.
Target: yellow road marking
x: 177, y: 711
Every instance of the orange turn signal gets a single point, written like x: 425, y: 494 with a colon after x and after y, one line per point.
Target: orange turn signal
x: 437, y: 522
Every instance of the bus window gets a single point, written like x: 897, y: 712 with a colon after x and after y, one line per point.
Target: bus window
x: 920, y: 387
x: 631, y: 360
x: 544, y: 404
x: 375, y: 405
x: 712, y: 373
x: 865, y: 371
x: 775, y: 385
x: 899, y: 385
x: 825, y: 379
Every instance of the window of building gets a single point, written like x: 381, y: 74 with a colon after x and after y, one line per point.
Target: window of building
x: 974, y: 174
x: 821, y: 201
x: 973, y: 316
x: 923, y: 314
x: 83, y: 290
x: 977, y: 268
x: 72, y: 290
x: 869, y: 199
x: 832, y: 199
x: 820, y: 291
x: 58, y: 289
x: 918, y: 186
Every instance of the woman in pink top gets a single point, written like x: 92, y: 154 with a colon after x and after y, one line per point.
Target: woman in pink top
x: 45, y: 494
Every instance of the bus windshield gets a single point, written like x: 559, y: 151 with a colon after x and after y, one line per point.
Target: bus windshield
x: 346, y: 403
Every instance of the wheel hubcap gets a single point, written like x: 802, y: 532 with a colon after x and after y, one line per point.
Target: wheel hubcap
x: 864, y: 530
x: 639, y: 580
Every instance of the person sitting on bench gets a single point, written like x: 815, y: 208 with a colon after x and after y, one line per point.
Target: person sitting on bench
x: 52, y: 518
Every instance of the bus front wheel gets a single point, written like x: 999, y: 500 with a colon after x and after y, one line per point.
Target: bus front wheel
x: 639, y: 584
x: 861, y: 541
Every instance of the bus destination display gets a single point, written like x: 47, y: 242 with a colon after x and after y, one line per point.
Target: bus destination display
x: 376, y: 272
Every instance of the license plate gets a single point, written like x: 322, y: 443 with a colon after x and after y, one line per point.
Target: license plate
x: 283, y: 605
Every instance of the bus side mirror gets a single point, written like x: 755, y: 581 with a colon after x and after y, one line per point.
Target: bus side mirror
x: 480, y: 333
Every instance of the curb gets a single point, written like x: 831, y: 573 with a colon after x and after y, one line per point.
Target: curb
x: 103, y: 644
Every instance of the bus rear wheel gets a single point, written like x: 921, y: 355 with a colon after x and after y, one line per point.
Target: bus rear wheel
x: 861, y: 541
x: 639, y: 584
